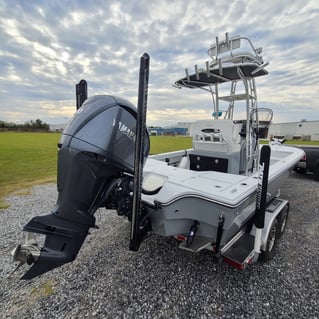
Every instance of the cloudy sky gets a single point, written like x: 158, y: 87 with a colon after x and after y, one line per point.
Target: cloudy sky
x: 48, y: 46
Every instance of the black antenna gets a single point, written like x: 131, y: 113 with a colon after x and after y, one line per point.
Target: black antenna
x: 81, y: 92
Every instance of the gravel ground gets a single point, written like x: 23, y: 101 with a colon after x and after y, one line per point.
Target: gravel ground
x: 161, y: 281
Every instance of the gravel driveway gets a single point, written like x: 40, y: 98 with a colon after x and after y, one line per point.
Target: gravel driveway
x: 161, y: 281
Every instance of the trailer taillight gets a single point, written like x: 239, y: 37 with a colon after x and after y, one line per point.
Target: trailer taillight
x: 234, y: 263
x: 180, y: 237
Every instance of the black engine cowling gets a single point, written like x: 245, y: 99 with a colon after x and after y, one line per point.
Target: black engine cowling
x: 96, y: 154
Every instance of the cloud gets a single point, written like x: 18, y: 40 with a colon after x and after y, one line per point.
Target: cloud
x: 49, y: 46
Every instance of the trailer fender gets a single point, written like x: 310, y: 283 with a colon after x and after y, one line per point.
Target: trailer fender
x: 271, y: 214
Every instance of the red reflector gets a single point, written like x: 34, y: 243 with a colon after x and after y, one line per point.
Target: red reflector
x: 181, y: 237
x: 234, y: 263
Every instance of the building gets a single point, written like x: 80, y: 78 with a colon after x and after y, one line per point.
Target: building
x: 167, y: 130
x: 303, y: 130
x: 186, y: 125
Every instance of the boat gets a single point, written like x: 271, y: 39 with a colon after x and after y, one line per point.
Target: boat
x: 219, y: 174
x: 221, y: 195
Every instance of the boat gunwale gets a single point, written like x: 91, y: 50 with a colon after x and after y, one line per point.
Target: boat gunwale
x: 281, y: 170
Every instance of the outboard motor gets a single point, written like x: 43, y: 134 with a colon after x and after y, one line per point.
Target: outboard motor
x: 95, y: 164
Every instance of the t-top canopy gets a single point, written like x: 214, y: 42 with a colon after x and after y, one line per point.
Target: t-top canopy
x: 231, y: 72
x: 232, y: 59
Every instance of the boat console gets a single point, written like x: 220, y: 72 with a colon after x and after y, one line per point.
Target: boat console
x: 234, y: 64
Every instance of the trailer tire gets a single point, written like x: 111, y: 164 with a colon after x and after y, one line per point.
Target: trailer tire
x: 271, y: 244
x: 316, y: 173
x: 282, y: 220
x: 300, y: 170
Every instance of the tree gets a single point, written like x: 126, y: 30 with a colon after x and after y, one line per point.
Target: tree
x: 37, y: 125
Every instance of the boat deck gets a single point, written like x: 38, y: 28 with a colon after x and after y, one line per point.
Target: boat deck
x: 225, y: 188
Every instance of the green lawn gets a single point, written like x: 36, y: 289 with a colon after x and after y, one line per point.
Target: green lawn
x: 27, y: 159
x: 162, y: 144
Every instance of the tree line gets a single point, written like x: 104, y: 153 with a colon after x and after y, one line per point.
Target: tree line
x: 32, y: 125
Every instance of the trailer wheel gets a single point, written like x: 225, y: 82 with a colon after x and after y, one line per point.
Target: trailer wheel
x: 300, y: 170
x: 269, y: 253
x: 282, y: 220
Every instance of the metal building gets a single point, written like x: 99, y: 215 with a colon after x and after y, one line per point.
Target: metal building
x: 303, y: 130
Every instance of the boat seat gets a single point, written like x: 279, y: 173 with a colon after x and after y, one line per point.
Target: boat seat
x: 239, y: 56
x: 235, y: 50
x: 152, y: 183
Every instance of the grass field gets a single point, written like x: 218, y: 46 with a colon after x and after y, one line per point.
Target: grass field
x: 162, y: 144
x: 27, y: 159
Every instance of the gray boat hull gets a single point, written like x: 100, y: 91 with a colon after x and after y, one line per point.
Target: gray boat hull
x: 174, y: 214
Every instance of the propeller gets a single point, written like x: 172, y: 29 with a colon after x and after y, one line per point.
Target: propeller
x: 28, y: 252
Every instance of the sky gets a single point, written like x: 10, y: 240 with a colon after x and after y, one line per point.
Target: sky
x: 49, y: 46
